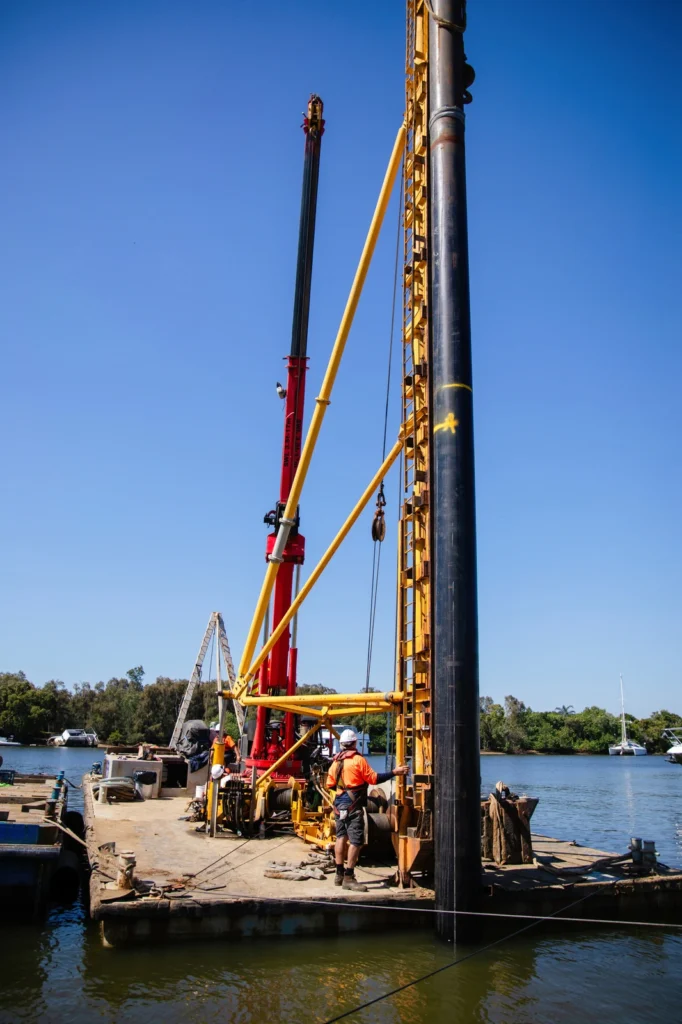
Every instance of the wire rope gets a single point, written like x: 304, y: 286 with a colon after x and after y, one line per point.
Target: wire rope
x: 537, y: 918
x: 216, y: 874
x: 453, y: 963
x: 376, y: 555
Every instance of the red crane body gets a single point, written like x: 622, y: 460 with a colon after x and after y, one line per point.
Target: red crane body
x: 278, y: 672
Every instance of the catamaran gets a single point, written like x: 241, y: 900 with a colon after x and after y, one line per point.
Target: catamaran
x: 626, y: 746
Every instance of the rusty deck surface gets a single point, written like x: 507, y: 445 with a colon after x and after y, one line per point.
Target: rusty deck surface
x: 169, y: 850
x: 190, y: 885
x: 24, y: 801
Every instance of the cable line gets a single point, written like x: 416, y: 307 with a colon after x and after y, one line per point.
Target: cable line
x: 378, y: 525
x: 358, y: 905
x: 453, y: 963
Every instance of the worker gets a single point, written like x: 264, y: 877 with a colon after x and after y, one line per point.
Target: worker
x: 275, y: 747
x: 230, y: 750
x: 350, y: 775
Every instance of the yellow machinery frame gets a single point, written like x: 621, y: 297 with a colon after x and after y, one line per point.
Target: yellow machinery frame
x: 411, y: 700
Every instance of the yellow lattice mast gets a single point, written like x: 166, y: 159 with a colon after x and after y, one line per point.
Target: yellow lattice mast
x: 413, y: 677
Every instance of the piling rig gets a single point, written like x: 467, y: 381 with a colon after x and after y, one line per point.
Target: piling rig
x: 434, y: 821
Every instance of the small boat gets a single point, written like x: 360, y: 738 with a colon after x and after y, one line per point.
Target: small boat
x: 74, y: 738
x: 9, y: 742
x: 626, y: 747
x: 363, y: 740
x: 675, y: 752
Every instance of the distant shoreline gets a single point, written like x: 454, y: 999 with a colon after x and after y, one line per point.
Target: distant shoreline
x: 551, y: 753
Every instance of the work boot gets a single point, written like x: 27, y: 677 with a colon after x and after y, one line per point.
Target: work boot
x: 338, y: 880
x: 350, y: 882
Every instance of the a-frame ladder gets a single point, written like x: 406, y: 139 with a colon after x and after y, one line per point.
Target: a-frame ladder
x: 216, y: 627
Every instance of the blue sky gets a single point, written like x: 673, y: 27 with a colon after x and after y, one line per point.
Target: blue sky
x: 149, y: 194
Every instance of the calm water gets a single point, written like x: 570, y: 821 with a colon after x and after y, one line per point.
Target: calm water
x: 59, y: 972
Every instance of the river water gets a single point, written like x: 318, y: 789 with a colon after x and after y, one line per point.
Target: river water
x: 58, y: 971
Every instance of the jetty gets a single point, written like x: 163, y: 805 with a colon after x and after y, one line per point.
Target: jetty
x: 155, y: 878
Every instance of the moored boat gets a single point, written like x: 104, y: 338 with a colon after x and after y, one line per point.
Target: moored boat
x: 626, y: 747
x: 74, y: 738
x: 674, y: 753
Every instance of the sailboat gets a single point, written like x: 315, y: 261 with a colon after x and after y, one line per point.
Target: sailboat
x: 626, y: 746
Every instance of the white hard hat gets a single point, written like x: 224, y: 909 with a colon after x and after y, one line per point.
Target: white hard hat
x: 217, y: 771
x: 347, y: 737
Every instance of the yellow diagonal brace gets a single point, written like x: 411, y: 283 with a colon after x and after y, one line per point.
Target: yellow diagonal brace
x: 273, y: 767
x: 325, y: 391
x: 322, y: 564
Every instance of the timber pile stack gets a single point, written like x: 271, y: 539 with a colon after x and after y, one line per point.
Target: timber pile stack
x: 505, y: 827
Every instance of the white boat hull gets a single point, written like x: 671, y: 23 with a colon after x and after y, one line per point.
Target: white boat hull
x: 621, y: 750
x: 675, y: 754
x: 71, y: 738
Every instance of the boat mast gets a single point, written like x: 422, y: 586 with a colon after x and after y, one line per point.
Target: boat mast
x: 623, y: 730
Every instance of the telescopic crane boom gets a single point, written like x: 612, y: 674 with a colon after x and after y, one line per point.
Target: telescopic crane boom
x: 278, y: 671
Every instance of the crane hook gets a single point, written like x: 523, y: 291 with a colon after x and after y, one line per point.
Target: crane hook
x: 379, y: 521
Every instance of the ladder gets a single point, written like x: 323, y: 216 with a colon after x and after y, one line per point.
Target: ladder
x: 413, y: 721
x: 216, y: 627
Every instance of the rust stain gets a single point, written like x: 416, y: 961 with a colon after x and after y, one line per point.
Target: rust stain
x: 446, y: 138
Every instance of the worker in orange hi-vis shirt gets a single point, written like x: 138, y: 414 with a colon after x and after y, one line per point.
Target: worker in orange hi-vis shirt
x: 350, y: 774
x: 230, y: 750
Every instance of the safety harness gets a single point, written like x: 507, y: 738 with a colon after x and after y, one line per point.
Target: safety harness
x: 355, y: 795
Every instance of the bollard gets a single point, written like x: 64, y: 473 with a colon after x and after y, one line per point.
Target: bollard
x: 126, y: 867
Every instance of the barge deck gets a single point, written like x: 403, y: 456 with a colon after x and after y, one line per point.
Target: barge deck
x: 188, y: 886
x: 33, y: 811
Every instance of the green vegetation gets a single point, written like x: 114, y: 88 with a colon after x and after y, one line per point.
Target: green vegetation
x: 514, y: 728
x: 120, y: 711
x: 124, y: 710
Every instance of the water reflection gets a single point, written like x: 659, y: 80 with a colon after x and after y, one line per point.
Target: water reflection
x: 547, y: 979
x: 61, y: 973
x: 41, y: 966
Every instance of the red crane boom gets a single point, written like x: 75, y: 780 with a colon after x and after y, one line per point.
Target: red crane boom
x: 278, y: 672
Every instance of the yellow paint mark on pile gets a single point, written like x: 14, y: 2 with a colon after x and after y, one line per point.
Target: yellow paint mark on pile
x: 449, y: 423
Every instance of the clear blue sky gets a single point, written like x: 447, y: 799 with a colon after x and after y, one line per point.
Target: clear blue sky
x: 149, y: 194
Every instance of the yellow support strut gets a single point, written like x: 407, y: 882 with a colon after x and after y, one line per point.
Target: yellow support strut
x: 262, y: 779
x: 321, y: 566
x: 323, y: 400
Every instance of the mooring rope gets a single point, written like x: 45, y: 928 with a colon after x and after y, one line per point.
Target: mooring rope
x: 216, y: 873
x: 536, y: 918
x: 446, y: 967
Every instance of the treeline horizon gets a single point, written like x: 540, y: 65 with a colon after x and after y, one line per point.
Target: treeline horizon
x: 125, y: 710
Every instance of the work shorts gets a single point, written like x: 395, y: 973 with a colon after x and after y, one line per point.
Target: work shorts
x: 352, y: 826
